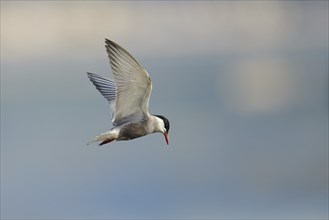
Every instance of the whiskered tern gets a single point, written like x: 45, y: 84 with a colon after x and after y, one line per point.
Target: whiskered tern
x: 128, y: 95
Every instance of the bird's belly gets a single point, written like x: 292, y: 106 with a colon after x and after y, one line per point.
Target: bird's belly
x: 131, y: 131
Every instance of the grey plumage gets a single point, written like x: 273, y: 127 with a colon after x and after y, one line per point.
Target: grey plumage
x: 128, y: 95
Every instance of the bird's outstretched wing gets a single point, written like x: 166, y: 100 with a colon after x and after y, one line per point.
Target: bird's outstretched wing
x: 106, y: 87
x: 133, y: 85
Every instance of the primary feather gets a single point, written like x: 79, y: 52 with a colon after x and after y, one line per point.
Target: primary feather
x: 133, y: 84
x: 129, y: 93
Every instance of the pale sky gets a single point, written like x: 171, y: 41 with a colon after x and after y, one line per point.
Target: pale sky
x: 244, y: 85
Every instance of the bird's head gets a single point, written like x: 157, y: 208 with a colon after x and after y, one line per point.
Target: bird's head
x: 163, y: 126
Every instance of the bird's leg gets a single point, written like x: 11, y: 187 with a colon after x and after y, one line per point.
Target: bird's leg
x: 106, y: 141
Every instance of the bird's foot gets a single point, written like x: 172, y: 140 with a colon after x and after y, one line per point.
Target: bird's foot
x: 106, y: 141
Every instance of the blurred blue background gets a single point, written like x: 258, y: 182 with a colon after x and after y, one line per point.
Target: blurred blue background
x: 244, y: 84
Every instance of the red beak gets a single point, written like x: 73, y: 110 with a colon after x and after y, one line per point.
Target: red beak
x: 166, y: 137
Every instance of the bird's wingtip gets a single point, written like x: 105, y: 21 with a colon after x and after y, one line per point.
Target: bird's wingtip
x: 107, y: 41
x: 91, y: 75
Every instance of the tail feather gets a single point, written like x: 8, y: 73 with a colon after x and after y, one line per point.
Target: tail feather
x: 105, y: 138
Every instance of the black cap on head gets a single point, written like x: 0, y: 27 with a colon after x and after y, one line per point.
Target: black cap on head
x: 166, y: 122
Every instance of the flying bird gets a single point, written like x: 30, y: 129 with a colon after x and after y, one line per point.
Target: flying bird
x: 128, y: 95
